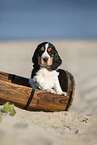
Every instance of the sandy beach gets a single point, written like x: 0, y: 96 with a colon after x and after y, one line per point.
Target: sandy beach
x: 79, y: 124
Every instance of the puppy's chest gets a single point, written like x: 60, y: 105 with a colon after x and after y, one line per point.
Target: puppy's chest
x: 47, y: 76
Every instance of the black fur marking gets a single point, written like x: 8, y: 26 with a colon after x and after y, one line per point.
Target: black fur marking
x: 63, y: 80
x: 56, y: 60
x: 53, y: 53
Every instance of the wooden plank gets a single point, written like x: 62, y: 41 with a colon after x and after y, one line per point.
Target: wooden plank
x: 24, y: 97
x: 14, y: 79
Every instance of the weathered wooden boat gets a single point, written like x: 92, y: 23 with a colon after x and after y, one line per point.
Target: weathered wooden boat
x: 16, y: 89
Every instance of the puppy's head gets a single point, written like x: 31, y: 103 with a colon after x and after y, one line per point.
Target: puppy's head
x: 47, y: 56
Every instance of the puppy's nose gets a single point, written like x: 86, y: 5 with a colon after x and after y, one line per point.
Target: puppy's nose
x: 45, y: 59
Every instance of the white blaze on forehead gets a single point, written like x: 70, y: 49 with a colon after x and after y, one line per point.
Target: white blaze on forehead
x: 46, y: 47
x: 45, y: 54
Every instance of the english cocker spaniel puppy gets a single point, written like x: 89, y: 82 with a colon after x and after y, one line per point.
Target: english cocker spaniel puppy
x: 45, y: 75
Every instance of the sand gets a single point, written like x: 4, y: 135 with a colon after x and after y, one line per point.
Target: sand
x: 79, y: 124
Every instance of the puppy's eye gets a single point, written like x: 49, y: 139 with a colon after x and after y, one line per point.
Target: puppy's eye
x: 42, y: 48
x: 49, y: 49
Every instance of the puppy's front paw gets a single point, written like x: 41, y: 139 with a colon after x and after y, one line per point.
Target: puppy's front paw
x: 51, y: 91
x: 64, y: 93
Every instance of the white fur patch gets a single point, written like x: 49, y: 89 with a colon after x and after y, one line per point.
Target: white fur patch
x: 46, y: 46
x: 45, y: 54
x: 47, y: 80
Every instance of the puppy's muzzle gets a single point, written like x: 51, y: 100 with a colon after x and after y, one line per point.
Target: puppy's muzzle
x: 45, y: 59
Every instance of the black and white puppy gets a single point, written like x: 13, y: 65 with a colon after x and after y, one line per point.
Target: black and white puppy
x: 45, y: 75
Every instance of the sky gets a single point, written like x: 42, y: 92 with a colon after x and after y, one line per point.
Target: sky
x: 43, y: 19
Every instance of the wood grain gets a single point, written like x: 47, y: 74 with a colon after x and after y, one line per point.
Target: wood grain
x: 41, y: 101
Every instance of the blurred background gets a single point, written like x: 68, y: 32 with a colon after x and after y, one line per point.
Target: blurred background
x: 47, y: 19
x: 71, y: 25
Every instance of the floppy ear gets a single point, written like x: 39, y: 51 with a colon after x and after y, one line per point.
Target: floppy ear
x: 35, y: 58
x: 36, y: 53
x: 56, y: 61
